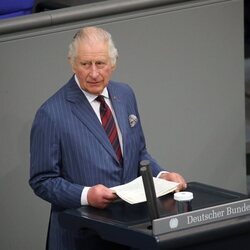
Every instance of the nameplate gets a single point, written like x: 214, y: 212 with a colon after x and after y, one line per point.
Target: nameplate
x: 201, y: 217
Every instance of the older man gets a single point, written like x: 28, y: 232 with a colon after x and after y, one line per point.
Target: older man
x: 86, y: 138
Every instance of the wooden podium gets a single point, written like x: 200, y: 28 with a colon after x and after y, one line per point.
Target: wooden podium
x: 220, y: 219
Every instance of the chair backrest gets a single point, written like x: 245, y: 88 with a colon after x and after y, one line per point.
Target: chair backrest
x: 12, y: 8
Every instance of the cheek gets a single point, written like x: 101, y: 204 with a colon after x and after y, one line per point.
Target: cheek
x: 107, y: 73
x: 80, y: 73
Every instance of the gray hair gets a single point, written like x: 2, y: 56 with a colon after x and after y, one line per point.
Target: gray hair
x: 89, y: 34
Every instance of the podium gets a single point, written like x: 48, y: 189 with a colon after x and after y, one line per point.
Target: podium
x: 220, y: 219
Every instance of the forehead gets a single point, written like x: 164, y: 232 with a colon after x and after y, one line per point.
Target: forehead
x: 92, y: 49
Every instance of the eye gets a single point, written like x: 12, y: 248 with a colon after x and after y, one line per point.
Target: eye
x: 86, y: 65
x: 100, y: 64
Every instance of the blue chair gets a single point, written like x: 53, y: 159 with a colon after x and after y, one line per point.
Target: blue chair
x: 13, y: 8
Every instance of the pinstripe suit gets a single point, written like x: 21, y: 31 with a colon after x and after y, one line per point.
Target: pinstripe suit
x: 70, y: 150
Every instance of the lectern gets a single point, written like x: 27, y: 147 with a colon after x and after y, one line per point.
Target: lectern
x: 220, y: 219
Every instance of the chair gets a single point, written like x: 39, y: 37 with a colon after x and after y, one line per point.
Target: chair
x: 13, y: 8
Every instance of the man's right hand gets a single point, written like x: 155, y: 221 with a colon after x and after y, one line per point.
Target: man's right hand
x: 100, y: 196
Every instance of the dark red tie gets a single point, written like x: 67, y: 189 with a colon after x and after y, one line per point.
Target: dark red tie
x: 109, y: 126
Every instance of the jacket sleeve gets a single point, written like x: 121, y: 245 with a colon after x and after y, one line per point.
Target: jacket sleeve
x: 45, y: 164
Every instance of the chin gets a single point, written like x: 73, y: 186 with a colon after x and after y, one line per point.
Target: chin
x: 95, y: 91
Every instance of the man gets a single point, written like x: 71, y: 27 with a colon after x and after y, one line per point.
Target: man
x: 73, y: 159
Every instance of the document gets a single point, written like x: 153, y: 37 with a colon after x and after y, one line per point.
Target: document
x: 133, y: 192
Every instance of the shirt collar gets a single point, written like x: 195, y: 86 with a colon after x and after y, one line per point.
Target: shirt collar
x: 90, y: 96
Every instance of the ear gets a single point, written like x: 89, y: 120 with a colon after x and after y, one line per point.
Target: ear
x: 113, y: 67
x: 70, y: 61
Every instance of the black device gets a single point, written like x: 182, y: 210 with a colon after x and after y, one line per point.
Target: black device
x: 146, y: 173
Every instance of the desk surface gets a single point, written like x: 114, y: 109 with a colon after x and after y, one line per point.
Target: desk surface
x: 130, y: 223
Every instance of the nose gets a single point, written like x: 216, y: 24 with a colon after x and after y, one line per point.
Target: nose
x: 94, y: 71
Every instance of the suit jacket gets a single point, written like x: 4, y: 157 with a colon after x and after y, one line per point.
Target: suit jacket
x: 70, y: 149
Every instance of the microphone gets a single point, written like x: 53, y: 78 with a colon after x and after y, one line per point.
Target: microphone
x: 149, y: 188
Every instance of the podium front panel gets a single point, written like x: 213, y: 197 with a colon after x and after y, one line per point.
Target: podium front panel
x: 131, y: 224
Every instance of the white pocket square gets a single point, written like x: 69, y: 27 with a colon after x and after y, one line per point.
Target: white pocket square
x: 132, y: 120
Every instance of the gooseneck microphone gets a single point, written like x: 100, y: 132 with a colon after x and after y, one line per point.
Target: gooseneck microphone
x: 149, y: 188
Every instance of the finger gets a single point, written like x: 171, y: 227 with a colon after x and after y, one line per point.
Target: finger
x: 182, y: 183
x: 181, y: 186
x: 109, y: 197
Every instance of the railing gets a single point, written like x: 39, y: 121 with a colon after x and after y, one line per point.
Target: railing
x: 78, y: 13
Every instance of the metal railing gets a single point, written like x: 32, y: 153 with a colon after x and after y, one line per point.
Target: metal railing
x: 78, y: 13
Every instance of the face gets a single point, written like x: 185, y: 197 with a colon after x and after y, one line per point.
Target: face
x: 92, y: 66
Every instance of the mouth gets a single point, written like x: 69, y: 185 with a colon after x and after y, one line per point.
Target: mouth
x: 94, y: 83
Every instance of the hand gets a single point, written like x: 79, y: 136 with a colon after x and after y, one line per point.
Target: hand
x: 100, y: 196
x: 171, y: 176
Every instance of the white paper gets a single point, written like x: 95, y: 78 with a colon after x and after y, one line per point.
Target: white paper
x: 133, y: 192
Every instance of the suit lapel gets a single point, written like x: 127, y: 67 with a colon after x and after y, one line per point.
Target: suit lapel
x: 84, y: 112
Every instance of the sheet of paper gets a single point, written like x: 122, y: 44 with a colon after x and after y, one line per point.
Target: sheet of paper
x: 133, y: 192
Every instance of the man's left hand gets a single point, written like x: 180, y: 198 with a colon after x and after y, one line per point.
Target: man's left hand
x: 171, y: 176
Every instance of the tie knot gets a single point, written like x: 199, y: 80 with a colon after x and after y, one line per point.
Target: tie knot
x: 100, y: 98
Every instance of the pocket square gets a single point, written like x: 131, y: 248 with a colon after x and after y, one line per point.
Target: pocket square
x: 132, y: 120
